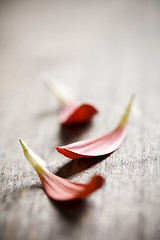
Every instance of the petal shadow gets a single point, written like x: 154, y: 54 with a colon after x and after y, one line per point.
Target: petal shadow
x: 71, y: 133
x: 78, y: 165
x: 72, y: 211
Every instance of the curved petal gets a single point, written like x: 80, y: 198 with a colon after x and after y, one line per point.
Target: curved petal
x: 73, y: 113
x: 58, y: 188
x: 61, y: 189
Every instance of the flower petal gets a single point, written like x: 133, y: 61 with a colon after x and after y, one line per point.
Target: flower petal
x: 73, y: 113
x: 58, y: 188
x: 98, y: 146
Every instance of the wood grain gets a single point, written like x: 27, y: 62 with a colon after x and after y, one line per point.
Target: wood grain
x: 105, y: 51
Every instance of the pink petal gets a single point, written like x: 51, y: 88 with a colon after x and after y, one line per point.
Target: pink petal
x: 74, y: 113
x: 71, y: 112
x: 61, y: 189
x: 58, y: 188
x: 94, y: 147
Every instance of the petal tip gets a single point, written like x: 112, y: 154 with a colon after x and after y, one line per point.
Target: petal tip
x: 126, y: 115
x: 24, y: 146
x: 100, y: 181
x: 58, y: 149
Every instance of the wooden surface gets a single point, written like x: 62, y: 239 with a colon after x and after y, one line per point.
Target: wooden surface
x: 105, y: 51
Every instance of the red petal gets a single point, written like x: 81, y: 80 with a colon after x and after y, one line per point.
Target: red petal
x: 94, y: 147
x: 74, y: 113
x: 58, y: 188
x: 61, y: 189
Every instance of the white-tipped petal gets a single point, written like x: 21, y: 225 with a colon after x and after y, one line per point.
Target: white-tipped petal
x: 37, y: 162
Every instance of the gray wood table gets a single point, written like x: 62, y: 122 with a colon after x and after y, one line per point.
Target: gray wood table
x: 104, y: 51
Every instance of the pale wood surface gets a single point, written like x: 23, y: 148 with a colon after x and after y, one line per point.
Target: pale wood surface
x: 104, y: 50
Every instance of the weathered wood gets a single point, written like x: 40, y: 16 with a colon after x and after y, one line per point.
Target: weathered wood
x: 104, y: 50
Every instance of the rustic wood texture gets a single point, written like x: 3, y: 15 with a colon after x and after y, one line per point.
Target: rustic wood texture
x: 104, y: 50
